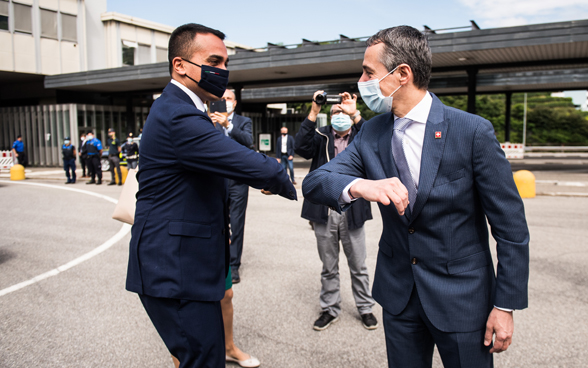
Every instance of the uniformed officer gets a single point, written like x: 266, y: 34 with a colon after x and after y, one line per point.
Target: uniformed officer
x: 19, y: 152
x: 68, y: 151
x: 113, y: 157
x: 94, y: 149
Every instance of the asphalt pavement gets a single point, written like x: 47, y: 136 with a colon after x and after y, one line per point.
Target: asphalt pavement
x: 83, y: 317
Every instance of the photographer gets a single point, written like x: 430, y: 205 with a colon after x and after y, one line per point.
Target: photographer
x: 321, y: 145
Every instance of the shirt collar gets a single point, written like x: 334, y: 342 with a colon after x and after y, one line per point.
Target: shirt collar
x: 420, y: 113
x: 197, y: 101
x: 231, y: 116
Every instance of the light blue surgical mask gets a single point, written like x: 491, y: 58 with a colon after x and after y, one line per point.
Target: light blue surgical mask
x: 341, y: 122
x: 372, y: 94
x: 66, y: 142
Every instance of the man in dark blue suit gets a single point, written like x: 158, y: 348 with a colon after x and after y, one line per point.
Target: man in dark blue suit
x: 446, y: 175
x: 285, y: 151
x: 239, y: 129
x: 178, y: 258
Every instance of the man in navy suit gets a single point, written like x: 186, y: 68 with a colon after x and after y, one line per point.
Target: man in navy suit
x: 446, y: 175
x: 285, y: 151
x: 239, y: 129
x: 178, y: 258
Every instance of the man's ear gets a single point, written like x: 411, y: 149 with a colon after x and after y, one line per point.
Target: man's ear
x: 405, y: 73
x: 178, y: 65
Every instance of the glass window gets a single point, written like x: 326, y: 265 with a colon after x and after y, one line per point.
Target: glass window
x: 48, y: 24
x: 144, y: 54
x: 4, y: 15
x: 23, y: 21
x: 69, y: 27
x: 160, y: 54
x: 128, y: 53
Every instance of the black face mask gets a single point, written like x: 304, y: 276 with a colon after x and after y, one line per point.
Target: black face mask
x: 213, y: 80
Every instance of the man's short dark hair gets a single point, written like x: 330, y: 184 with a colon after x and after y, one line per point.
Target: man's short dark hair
x: 405, y: 45
x: 18, y: 136
x: 181, y: 41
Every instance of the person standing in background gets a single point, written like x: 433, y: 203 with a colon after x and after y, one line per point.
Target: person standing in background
x: 132, y: 151
x: 238, y: 128
x: 94, y: 149
x: 69, y: 154
x: 18, y: 151
x: 285, y: 152
x: 114, y: 157
x: 83, y: 155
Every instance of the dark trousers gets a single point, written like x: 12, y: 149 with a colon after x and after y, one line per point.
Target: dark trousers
x: 114, y: 163
x: 22, y: 159
x: 83, y: 160
x: 411, y: 337
x: 192, y: 331
x: 94, y: 167
x: 238, y: 196
x: 67, y: 166
x: 132, y: 164
x: 288, y: 164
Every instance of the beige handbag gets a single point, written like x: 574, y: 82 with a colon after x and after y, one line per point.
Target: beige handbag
x: 125, y: 208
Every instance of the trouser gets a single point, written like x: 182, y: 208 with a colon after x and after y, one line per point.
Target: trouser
x: 83, y: 160
x: 22, y: 158
x: 132, y: 164
x: 67, y: 166
x: 289, y: 164
x: 353, y: 241
x: 114, y: 163
x: 192, y: 331
x: 411, y: 338
x: 238, y: 196
x: 95, y: 167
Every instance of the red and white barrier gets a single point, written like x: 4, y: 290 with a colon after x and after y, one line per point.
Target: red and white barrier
x: 513, y: 150
x: 6, y: 160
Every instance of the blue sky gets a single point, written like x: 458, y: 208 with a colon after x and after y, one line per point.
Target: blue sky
x: 254, y: 22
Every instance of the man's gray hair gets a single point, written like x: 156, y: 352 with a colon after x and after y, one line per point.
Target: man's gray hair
x: 405, y: 45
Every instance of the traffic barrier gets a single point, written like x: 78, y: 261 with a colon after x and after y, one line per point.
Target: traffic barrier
x: 124, y: 172
x: 525, y: 181
x: 513, y: 150
x: 17, y: 172
x: 6, y: 160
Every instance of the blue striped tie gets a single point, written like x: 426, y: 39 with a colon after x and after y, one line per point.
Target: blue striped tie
x: 400, y: 126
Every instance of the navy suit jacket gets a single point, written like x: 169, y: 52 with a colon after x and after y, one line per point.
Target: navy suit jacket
x: 242, y: 131
x: 289, y: 146
x: 442, y: 246
x: 180, y: 238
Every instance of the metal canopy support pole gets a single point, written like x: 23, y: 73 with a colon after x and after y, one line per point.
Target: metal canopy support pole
x: 507, y: 117
x: 472, y: 81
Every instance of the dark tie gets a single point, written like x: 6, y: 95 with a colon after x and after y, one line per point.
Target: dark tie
x: 400, y: 126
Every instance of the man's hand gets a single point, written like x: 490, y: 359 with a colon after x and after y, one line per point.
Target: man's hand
x: 501, y: 324
x: 316, y: 108
x: 279, y: 160
x: 290, y: 158
x: 384, y: 191
x: 219, y: 118
x: 348, y: 104
x: 266, y: 192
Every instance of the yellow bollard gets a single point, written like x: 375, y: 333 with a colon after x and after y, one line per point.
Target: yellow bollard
x: 17, y: 172
x: 525, y: 181
x: 124, y: 172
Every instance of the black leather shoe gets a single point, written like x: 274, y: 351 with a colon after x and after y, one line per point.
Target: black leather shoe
x: 112, y: 183
x: 235, y: 276
x: 324, y: 321
x: 99, y: 182
x: 91, y: 182
x: 369, y: 321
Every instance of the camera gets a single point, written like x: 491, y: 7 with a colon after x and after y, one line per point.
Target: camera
x: 324, y: 98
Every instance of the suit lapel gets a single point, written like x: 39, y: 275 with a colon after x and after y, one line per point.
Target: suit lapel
x: 432, y: 153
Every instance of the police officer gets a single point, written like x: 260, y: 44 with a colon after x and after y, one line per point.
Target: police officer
x: 113, y: 157
x: 68, y: 151
x: 132, y: 152
x: 83, y: 156
x: 94, y: 149
x: 19, y: 152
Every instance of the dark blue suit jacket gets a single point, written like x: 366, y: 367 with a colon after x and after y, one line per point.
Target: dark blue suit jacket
x: 464, y: 181
x: 179, y: 239
x: 242, y: 131
x: 289, y: 146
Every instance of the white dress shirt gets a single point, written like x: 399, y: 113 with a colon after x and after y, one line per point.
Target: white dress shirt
x: 197, y: 101
x: 229, y: 127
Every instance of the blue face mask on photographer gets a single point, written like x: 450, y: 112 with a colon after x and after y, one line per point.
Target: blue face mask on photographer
x: 341, y: 122
x: 372, y: 94
x: 213, y: 80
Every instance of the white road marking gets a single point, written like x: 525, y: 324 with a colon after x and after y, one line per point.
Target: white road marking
x: 125, y: 229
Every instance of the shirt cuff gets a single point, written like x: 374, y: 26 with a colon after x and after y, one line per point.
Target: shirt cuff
x: 504, y: 309
x: 229, y: 128
x: 344, y: 198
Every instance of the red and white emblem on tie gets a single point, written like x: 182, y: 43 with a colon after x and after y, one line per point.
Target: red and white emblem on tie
x: 437, y: 135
